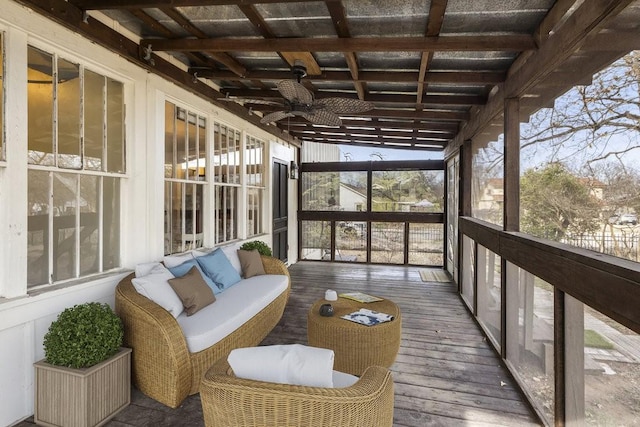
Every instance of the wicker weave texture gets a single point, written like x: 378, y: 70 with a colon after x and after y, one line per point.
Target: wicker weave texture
x: 233, y: 402
x: 162, y: 367
x: 356, y: 346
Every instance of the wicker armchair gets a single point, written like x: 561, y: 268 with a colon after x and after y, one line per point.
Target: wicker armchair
x: 234, y: 402
x: 162, y: 367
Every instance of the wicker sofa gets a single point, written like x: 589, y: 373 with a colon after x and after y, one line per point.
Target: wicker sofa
x: 162, y: 366
x: 234, y: 402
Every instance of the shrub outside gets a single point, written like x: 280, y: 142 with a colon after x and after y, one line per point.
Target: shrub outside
x: 83, y: 335
x: 261, y: 246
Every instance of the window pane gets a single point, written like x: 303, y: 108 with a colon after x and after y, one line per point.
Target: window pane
x: 192, y: 158
x: 226, y: 154
x: 407, y: 191
x: 115, y: 126
x: 202, y: 148
x: 192, y: 237
x: 65, y: 194
x: 1, y: 97
x: 316, y: 240
x: 174, y: 227
x: 68, y: 117
x: 387, y: 242
x: 94, y: 90
x: 38, y: 229
x: 254, y: 211
x: 169, y: 140
x: 253, y: 160
x: 89, y: 233
x: 226, y: 214
x: 346, y: 191
x: 40, y: 107
x: 182, y: 143
x: 487, y: 187
x: 111, y: 223
x: 426, y: 244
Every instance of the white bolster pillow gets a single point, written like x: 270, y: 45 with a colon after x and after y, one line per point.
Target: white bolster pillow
x: 294, y: 364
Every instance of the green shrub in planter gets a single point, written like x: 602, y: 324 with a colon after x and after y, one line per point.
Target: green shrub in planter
x: 83, y: 336
x: 261, y: 246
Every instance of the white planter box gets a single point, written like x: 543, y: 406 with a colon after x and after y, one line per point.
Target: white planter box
x: 87, y: 397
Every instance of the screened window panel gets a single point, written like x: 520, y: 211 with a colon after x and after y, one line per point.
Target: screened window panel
x: 68, y: 116
x: 40, y: 107
x: 65, y: 190
x: 111, y: 223
x: 169, y: 140
x: 39, y: 183
x: 94, y: 111
x: 226, y: 213
x: 89, y: 224
x: 115, y: 126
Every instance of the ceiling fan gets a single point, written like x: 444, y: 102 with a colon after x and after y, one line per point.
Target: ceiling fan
x: 299, y: 101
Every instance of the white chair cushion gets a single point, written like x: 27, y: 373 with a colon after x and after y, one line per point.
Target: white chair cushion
x: 294, y: 364
x: 145, y: 268
x: 234, y: 307
x: 175, y: 260
x: 156, y: 287
x: 343, y: 380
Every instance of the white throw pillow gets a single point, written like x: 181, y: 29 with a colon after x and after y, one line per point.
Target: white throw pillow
x: 156, y: 287
x: 285, y: 364
x: 171, y: 261
x: 146, y: 268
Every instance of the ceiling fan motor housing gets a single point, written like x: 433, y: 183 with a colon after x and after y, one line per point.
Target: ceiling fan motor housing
x: 299, y: 69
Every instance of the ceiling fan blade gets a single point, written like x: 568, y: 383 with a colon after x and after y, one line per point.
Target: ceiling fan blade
x: 275, y: 116
x: 322, y: 117
x: 252, y: 101
x: 345, y: 105
x: 294, y: 92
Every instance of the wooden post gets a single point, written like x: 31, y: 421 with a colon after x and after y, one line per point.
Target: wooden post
x: 511, y: 219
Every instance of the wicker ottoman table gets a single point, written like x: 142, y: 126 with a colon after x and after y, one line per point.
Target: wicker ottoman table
x: 356, y: 346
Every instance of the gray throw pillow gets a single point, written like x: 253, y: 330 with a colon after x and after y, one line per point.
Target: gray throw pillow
x: 251, y: 263
x: 193, y: 291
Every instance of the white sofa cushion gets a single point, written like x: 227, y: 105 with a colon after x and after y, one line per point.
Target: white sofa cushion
x: 233, y: 307
x: 294, y: 364
x: 156, y: 287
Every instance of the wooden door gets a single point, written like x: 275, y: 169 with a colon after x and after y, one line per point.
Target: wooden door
x: 280, y: 205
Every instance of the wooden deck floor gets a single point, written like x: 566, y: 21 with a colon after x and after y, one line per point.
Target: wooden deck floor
x: 446, y: 374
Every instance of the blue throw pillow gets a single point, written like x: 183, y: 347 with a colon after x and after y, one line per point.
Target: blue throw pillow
x: 182, y: 269
x: 217, y: 266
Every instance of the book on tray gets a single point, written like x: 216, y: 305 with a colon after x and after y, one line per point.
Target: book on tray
x: 368, y: 317
x: 360, y: 297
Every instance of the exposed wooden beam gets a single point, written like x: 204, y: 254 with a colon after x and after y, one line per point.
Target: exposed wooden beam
x: 378, y: 141
x: 310, y: 130
x: 146, y: 4
x: 434, y: 24
x: 446, y: 128
x: 448, y: 99
x: 339, y: 17
x: 464, y: 77
x: 515, y: 43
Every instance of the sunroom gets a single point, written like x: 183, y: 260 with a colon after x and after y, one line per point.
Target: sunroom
x: 130, y: 130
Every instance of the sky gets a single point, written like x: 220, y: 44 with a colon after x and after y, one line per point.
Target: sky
x: 356, y: 153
